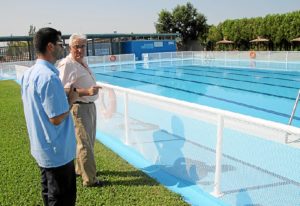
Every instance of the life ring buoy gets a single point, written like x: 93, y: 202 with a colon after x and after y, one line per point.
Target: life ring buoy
x: 252, y: 55
x: 112, y: 58
x: 108, y: 110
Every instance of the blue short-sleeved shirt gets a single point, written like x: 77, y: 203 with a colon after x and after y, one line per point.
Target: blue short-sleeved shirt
x: 43, y: 98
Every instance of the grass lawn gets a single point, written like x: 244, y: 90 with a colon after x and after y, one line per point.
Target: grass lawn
x: 20, y: 177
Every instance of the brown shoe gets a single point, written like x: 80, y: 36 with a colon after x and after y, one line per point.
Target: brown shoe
x: 96, y: 184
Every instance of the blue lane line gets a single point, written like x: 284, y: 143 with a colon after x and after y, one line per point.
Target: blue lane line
x: 238, y: 74
x: 205, y: 83
x: 211, y: 97
x: 175, y: 137
x: 254, y: 71
x: 225, y: 78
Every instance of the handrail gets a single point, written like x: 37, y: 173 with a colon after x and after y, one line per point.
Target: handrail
x: 294, y: 109
x: 221, y: 118
x: 262, y: 56
x: 192, y: 108
x: 292, y: 116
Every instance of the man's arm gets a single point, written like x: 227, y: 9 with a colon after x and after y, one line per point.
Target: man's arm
x: 93, y: 90
x: 58, y: 119
x: 72, y: 96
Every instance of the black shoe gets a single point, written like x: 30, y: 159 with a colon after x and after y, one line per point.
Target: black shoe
x: 96, y: 184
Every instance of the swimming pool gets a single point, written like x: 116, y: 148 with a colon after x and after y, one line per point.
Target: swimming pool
x: 266, y: 94
x: 181, y: 140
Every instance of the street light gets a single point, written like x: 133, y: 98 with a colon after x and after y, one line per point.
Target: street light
x: 48, y: 23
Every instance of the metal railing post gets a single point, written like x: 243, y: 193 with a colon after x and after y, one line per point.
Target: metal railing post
x: 93, y: 47
x: 29, y: 51
x: 292, y: 116
x: 217, y: 184
x: 225, y: 55
x: 286, y: 60
x: 126, y: 118
x: 294, y: 109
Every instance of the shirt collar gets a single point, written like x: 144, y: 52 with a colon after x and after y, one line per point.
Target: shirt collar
x: 48, y: 64
x: 74, y: 61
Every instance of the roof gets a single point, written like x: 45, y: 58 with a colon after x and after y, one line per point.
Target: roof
x: 91, y: 36
x: 296, y: 39
x: 259, y: 39
x: 225, y: 41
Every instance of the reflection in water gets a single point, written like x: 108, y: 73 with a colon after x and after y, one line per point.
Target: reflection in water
x: 243, y: 199
x: 172, y: 160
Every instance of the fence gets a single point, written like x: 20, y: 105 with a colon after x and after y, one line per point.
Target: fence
x: 8, y: 71
x: 240, y: 59
x: 95, y: 61
x: 279, y: 56
x: 263, y: 60
x: 20, y: 48
x: 234, y: 157
x: 15, y: 53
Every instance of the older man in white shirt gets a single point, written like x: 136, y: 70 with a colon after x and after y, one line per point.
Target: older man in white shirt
x: 74, y: 71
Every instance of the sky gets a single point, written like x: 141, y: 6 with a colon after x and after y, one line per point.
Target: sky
x: 122, y: 16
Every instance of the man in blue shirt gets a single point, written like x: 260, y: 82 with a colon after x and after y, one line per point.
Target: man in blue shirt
x: 50, y: 127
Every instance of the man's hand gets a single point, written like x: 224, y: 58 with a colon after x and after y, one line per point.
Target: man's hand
x: 93, y: 90
x: 81, y: 92
x: 72, y: 95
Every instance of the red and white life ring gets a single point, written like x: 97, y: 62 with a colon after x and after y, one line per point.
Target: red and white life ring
x: 252, y: 55
x: 112, y: 58
x: 108, y: 110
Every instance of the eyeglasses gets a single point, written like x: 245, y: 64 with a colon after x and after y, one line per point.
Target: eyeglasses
x: 60, y: 43
x: 79, y: 46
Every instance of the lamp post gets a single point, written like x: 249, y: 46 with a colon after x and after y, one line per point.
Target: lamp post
x: 47, y: 24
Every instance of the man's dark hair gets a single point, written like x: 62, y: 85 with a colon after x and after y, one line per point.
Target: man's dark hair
x: 43, y: 37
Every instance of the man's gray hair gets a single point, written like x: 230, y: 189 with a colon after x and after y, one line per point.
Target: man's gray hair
x: 76, y: 36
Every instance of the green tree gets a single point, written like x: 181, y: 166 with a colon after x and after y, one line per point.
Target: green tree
x: 16, y: 48
x: 19, y: 49
x: 214, y: 35
x: 278, y: 28
x: 165, y: 22
x: 184, y: 19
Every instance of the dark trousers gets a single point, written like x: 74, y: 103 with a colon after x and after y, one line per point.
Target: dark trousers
x: 59, y: 185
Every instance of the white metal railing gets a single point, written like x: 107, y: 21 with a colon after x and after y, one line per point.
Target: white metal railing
x: 8, y: 69
x: 20, y: 71
x: 95, y: 61
x: 6, y: 65
x: 246, y: 125
x: 270, y: 60
x: 294, y: 108
x: 292, y: 114
x: 279, y: 56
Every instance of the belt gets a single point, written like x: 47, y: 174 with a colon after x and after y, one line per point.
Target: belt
x: 79, y: 102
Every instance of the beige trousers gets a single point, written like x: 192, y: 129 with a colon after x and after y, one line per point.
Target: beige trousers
x: 84, y: 116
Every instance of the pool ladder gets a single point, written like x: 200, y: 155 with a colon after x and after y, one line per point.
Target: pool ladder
x: 293, y: 114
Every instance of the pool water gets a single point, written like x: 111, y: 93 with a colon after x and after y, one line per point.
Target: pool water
x: 266, y: 94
